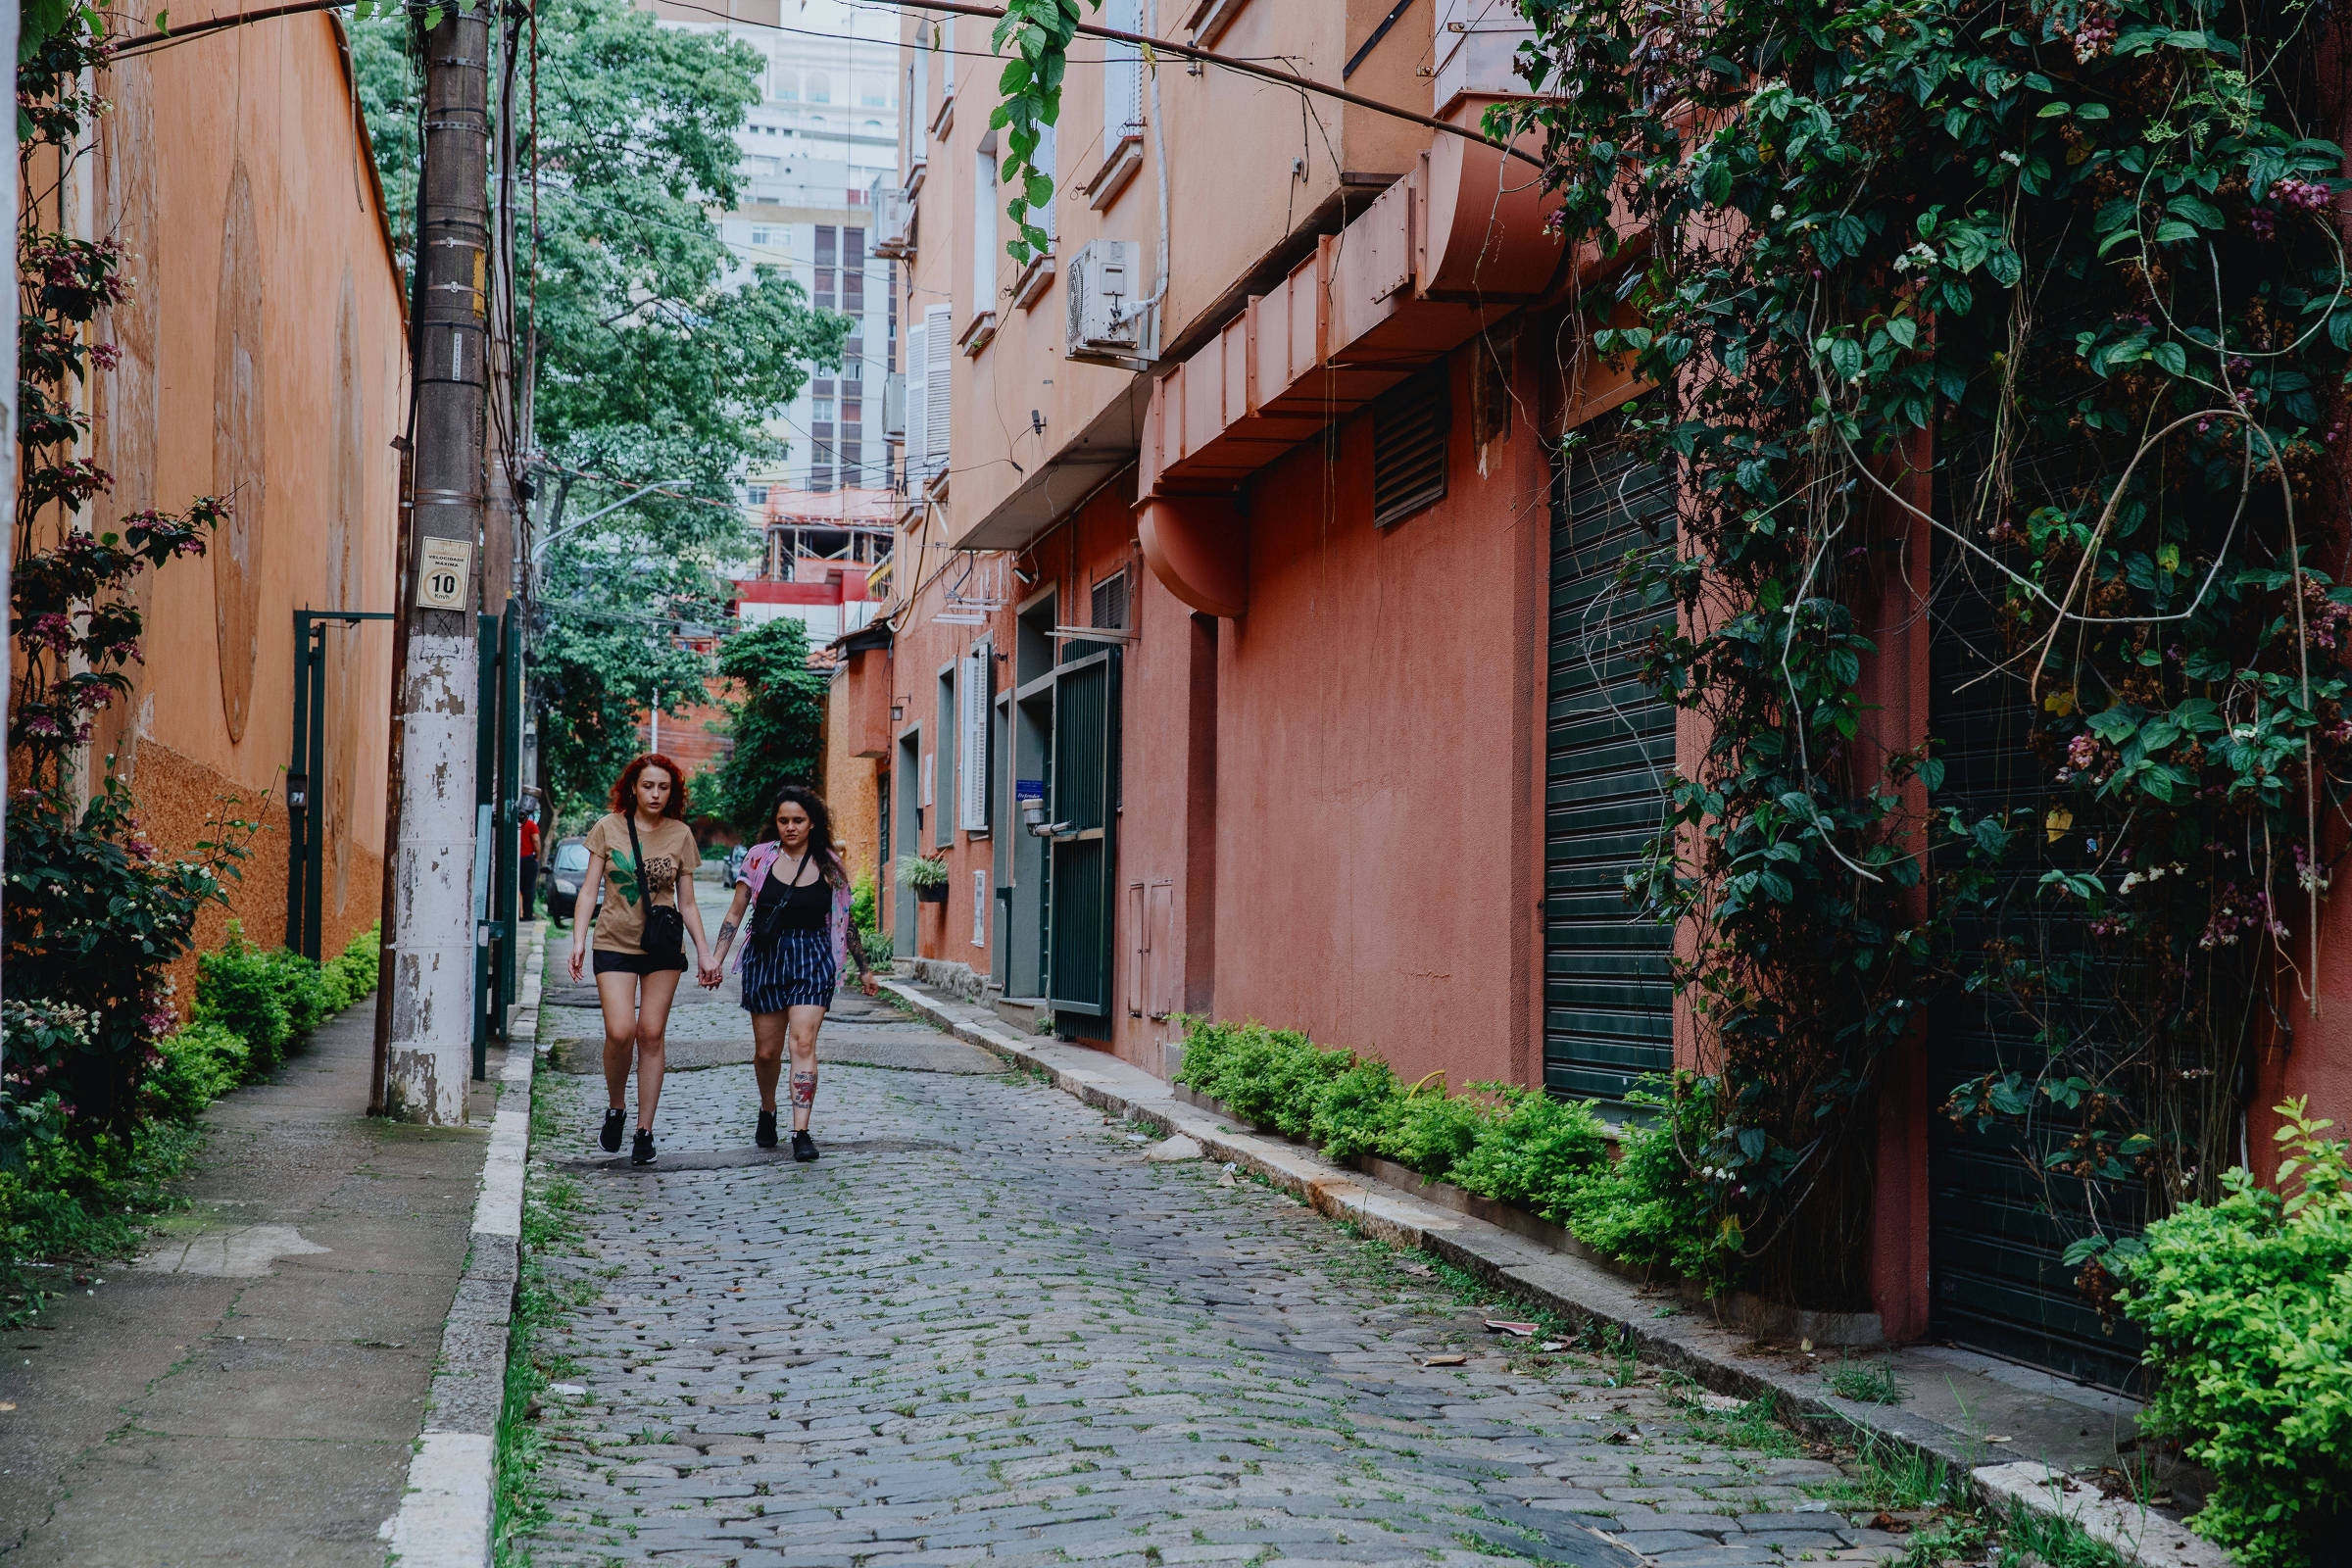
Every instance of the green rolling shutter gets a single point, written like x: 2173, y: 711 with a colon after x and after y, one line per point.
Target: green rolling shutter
x: 1608, y: 1002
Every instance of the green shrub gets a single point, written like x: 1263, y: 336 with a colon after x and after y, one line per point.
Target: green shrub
x: 1536, y: 1152
x: 356, y: 965
x: 1432, y: 1131
x: 241, y: 988
x: 270, y: 999
x: 1649, y: 1209
x: 865, y: 905
x: 2247, y: 1304
x: 1355, y: 1110
x: 195, y: 1066
x: 1271, y: 1077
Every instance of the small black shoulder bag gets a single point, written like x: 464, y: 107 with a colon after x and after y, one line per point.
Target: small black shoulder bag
x: 665, y: 927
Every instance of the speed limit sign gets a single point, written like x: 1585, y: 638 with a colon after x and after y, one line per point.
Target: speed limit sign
x: 444, y: 574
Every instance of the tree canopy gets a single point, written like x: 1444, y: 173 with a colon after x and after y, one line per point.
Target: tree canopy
x: 656, y: 357
x: 777, y: 722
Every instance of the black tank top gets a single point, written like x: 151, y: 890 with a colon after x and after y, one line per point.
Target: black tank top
x: 792, y: 909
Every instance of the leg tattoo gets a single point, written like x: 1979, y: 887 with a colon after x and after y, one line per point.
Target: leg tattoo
x: 803, y: 1089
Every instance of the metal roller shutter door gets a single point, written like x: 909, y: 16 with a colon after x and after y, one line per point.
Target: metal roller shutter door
x: 1608, y: 1003
x: 1997, y: 1226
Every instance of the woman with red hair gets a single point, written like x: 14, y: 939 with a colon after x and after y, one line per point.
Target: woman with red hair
x: 648, y: 853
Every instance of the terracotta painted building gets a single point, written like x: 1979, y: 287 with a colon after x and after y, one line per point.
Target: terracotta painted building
x: 1256, y: 646
x: 264, y: 357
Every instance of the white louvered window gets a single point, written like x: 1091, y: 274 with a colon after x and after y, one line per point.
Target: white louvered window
x: 918, y: 403
x: 971, y: 739
x: 1122, y: 75
x: 984, y: 233
x: 1042, y: 217
x: 939, y: 356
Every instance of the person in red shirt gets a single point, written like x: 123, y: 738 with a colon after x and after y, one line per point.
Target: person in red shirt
x: 529, y: 857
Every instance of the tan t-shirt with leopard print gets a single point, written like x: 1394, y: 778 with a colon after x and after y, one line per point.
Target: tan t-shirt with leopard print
x: 669, y: 854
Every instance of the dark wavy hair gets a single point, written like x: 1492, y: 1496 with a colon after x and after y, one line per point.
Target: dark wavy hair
x: 820, y: 830
x: 624, y: 789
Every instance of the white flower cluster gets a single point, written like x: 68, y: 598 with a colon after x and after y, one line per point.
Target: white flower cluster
x: 1920, y: 254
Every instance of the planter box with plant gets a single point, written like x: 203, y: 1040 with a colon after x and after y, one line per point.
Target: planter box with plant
x: 926, y: 876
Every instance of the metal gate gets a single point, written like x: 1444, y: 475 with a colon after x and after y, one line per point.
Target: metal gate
x: 1998, y: 1222
x: 498, y: 805
x: 306, y: 774
x: 1608, y: 1004
x: 1084, y: 853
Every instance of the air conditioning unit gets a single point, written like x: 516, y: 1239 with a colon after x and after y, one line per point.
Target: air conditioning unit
x: 894, y: 404
x: 1104, y: 282
x: 893, y: 227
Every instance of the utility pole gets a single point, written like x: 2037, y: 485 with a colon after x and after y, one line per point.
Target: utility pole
x: 429, y: 1021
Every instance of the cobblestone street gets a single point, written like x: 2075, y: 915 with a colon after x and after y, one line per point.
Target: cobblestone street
x: 985, y: 1328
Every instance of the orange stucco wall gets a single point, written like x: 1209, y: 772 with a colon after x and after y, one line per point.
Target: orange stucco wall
x: 263, y: 356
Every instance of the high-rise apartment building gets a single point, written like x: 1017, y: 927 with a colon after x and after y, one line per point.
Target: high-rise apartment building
x: 825, y: 129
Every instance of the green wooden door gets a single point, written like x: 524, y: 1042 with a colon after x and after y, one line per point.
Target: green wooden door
x: 1084, y: 850
x: 1608, y: 1004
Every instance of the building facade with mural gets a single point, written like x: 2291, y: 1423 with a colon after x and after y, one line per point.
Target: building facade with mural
x: 262, y: 358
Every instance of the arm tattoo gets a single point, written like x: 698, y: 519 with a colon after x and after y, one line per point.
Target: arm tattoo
x: 726, y: 934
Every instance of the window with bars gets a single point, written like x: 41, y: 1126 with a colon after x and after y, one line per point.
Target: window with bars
x: 1409, y: 449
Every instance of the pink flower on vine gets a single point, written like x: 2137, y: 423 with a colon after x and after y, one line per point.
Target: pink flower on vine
x: 53, y: 631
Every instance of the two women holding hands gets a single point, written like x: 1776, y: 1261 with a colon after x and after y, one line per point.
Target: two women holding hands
x: 797, y: 894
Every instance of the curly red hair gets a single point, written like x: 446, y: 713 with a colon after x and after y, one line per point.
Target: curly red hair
x: 624, y: 790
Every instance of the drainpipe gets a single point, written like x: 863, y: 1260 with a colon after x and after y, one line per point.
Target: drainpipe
x: 1159, y: 150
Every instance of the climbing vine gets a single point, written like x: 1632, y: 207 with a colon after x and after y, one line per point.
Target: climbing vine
x: 1037, y: 34
x: 2043, y: 305
x: 95, y: 914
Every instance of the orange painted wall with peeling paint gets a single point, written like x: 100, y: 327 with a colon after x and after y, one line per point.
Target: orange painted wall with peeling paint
x: 263, y: 353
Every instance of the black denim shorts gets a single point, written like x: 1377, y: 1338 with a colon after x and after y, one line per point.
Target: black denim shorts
x: 637, y: 963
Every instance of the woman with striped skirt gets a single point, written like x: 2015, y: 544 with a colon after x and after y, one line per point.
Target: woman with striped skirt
x: 797, y: 892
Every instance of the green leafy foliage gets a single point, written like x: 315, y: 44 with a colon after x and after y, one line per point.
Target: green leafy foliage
x: 1536, y: 1152
x: 922, y: 870
x: 1270, y: 1076
x: 1653, y: 1208
x: 269, y: 999
x: 2247, y: 1304
x: 244, y: 989
x: 1035, y: 35
x: 776, y: 723
x: 1515, y: 1144
x: 1355, y: 1110
x: 96, y: 918
x: 658, y: 359
x: 195, y: 1066
x: 2086, y: 256
x: 1433, y: 1132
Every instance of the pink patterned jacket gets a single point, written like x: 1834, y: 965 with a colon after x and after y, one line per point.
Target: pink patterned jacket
x: 756, y: 867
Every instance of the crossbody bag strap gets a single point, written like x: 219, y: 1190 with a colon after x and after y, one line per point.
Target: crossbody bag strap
x: 645, y: 882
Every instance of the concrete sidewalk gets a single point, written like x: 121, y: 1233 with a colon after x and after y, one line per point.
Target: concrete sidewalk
x: 2022, y: 1436
x: 250, y: 1389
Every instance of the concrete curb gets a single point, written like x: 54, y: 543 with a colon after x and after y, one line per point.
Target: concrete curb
x: 444, y: 1518
x: 1709, y: 1353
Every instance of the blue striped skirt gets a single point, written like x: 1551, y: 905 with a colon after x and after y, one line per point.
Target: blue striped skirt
x: 790, y: 969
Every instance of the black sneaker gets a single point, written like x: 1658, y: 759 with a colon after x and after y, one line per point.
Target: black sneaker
x: 765, y: 1137
x: 609, y: 1136
x: 641, y: 1148
x: 804, y: 1146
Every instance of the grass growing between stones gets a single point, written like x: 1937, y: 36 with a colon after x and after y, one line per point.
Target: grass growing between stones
x: 551, y: 1209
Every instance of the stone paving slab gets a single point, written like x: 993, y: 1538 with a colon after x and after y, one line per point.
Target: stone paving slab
x: 1017, y: 1340
x: 1957, y: 1407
